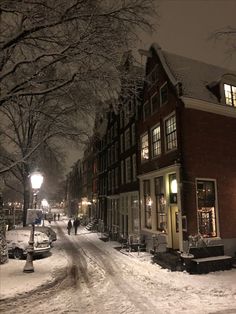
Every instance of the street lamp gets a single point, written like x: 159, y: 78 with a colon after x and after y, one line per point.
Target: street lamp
x: 36, y: 179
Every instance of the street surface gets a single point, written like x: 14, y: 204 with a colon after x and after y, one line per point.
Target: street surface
x: 98, y: 281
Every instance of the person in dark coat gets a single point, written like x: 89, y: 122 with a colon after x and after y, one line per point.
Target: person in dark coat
x: 76, y: 224
x: 58, y: 216
x: 69, y: 226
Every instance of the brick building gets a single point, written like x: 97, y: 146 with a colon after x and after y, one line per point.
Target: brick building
x: 187, y: 158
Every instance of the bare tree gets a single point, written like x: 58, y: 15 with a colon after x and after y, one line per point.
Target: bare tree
x: 30, y: 132
x: 47, y: 45
x: 51, y: 52
x: 228, y: 34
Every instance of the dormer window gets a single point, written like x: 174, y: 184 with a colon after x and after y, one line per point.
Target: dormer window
x: 230, y: 95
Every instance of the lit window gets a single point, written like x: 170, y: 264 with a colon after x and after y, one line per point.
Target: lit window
x: 230, y: 95
x: 147, y: 204
x: 156, y: 141
x: 144, y: 147
x: 160, y: 204
x: 164, y: 94
x: 171, y: 134
x: 206, y: 201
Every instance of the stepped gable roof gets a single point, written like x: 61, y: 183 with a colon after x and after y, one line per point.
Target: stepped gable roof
x: 194, y: 75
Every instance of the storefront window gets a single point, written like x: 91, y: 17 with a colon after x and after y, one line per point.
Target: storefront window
x: 147, y: 204
x: 206, y: 208
x: 160, y: 204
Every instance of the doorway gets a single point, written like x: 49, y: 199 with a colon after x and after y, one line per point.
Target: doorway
x: 174, y: 226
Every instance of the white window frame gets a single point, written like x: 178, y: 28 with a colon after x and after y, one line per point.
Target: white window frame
x: 159, y: 140
x: 144, y: 147
x: 162, y: 86
x: 155, y: 94
x: 146, y: 103
x: 217, y: 225
x: 165, y: 120
x: 231, y: 94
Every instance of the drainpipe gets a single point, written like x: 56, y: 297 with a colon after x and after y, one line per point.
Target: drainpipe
x: 179, y: 203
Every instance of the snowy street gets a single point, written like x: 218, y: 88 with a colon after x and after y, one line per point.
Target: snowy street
x: 100, y: 279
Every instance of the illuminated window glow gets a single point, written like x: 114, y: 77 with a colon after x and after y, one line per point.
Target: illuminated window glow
x: 230, y: 95
x: 144, y: 147
x: 206, y: 200
x: 171, y: 134
x: 156, y: 141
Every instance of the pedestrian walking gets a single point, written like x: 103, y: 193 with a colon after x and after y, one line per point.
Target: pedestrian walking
x: 76, y: 224
x: 69, y: 226
x: 58, y: 216
x: 54, y: 216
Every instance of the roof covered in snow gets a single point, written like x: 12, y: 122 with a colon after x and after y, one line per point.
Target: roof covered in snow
x: 193, y: 74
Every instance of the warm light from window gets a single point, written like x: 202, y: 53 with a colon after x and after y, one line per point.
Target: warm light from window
x: 230, y: 94
x: 173, y: 186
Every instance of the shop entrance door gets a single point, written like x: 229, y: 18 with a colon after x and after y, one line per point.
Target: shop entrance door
x: 174, y: 227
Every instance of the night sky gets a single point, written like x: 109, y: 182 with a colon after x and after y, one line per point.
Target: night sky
x: 185, y: 26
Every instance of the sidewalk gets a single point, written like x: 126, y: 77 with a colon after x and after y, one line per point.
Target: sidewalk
x: 13, y: 281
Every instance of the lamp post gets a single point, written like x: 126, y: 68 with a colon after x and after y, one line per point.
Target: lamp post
x: 36, y: 179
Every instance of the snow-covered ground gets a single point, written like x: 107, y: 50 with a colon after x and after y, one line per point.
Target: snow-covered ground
x: 103, y: 280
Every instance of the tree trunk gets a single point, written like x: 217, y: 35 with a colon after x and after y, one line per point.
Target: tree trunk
x: 3, y: 242
x: 26, y: 200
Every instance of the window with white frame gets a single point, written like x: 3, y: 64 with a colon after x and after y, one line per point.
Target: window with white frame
x: 164, y: 94
x: 154, y: 102
x: 160, y: 204
x: 230, y: 95
x: 127, y: 139
x: 134, y: 165
x: 146, y: 110
x: 171, y: 133
x: 147, y: 204
x: 206, y: 208
x: 127, y: 170
x: 144, y: 147
x: 152, y: 77
x: 156, y: 141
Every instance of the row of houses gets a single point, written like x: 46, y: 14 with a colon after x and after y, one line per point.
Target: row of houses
x: 164, y: 160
